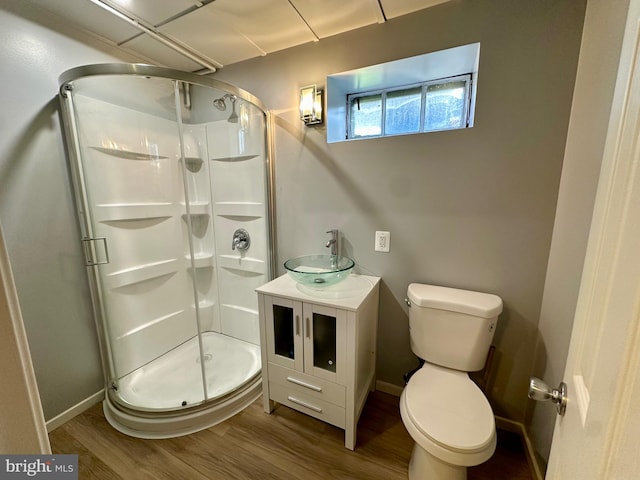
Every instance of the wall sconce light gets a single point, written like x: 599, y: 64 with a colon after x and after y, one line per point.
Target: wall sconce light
x: 311, y: 105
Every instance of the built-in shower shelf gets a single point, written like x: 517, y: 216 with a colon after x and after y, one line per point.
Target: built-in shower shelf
x: 196, y: 208
x: 128, y: 154
x: 133, y: 211
x: 142, y: 273
x: 244, y: 264
x: 238, y: 310
x: 200, y: 260
x: 205, y: 308
x: 205, y: 304
x: 234, y: 158
x: 193, y: 164
x: 239, y: 209
x: 199, y: 222
x: 151, y: 323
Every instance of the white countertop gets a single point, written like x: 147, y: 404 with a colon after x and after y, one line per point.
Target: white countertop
x: 347, y: 294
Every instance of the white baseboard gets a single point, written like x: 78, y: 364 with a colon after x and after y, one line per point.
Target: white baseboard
x: 389, y: 388
x: 517, y: 427
x: 67, y: 415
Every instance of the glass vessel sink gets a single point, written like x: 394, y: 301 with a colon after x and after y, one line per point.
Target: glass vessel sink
x: 319, y: 270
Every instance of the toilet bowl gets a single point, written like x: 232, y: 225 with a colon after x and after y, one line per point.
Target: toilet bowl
x: 450, y: 421
x: 444, y: 411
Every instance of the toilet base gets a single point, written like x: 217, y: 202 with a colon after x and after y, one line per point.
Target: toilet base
x: 424, y: 466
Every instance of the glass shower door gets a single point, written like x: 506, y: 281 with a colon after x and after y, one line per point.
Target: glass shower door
x: 139, y: 219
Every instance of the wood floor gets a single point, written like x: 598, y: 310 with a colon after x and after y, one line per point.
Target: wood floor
x: 254, y: 445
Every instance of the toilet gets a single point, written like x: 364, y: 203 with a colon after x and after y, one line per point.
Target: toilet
x: 444, y: 411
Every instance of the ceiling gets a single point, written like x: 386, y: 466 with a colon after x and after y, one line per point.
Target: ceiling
x: 205, y: 35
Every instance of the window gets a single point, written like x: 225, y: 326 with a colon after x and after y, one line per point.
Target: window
x: 425, y: 93
x: 365, y: 113
x: 435, y: 105
x: 402, y: 111
x: 447, y: 104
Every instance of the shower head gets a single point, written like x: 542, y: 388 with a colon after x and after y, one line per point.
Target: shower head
x: 220, y: 104
x: 233, y: 118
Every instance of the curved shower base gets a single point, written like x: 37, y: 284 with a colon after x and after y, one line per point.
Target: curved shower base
x: 232, y: 372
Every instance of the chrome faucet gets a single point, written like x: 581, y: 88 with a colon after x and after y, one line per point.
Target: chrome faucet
x: 333, y: 242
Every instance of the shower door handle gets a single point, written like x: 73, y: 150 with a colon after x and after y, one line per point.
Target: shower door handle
x: 91, y: 251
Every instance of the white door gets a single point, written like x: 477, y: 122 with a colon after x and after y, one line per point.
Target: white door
x: 599, y: 437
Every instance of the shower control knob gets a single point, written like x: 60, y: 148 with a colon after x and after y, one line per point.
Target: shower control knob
x: 241, y: 240
x: 540, y: 391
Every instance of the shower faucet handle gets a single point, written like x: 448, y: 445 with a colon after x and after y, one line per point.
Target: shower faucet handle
x: 241, y: 240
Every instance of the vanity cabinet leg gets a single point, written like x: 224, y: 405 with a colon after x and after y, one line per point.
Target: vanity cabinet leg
x: 350, y: 437
x: 268, y: 405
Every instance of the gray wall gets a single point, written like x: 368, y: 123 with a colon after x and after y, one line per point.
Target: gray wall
x: 595, y: 81
x: 36, y: 205
x: 471, y: 209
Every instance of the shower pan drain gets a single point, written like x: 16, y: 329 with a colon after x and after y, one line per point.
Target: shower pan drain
x: 207, y: 357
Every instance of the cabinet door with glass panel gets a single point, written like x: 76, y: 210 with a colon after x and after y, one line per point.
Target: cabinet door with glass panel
x: 306, y: 337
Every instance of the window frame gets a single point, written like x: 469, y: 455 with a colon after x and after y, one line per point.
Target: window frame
x: 468, y: 79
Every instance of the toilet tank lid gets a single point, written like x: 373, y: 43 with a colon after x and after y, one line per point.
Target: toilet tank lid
x: 483, y: 305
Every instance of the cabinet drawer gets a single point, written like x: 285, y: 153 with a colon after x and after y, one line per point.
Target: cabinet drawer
x: 320, y: 409
x: 307, y: 385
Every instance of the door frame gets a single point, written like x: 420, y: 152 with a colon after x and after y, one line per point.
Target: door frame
x: 21, y: 416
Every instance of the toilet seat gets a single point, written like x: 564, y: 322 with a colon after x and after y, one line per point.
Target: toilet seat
x: 449, y: 416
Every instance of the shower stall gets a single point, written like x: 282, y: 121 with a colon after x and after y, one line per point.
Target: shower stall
x: 172, y: 177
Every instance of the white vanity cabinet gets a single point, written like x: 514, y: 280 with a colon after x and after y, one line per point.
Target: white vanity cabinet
x: 319, y: 348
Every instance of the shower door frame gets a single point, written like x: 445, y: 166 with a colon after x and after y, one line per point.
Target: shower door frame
x: 84, y: 212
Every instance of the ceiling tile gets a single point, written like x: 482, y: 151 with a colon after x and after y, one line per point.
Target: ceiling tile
x: 205, y: 32
x: 161, y: 54
x: 90, y: 17
x: 156, y: 12
x: 337, y: 16
x: 230, y: 31
x: 395, y: 8
x: 271, y: 24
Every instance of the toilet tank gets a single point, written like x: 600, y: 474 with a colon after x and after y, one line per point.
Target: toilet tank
x: 450, y: 327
